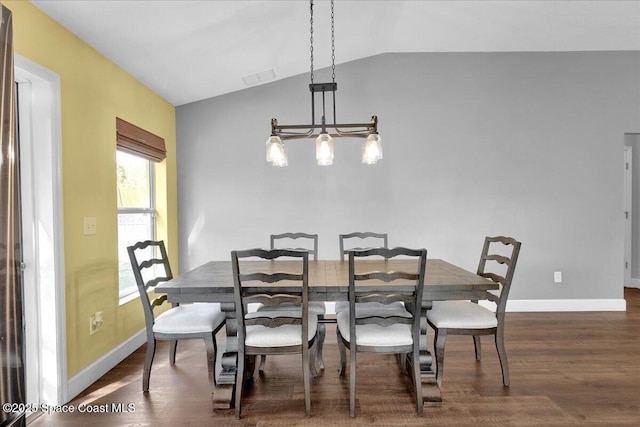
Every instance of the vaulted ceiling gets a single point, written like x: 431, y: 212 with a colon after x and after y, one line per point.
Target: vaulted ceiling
x: 191, y: 50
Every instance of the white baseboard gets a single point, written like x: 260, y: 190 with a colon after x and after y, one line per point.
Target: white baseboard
x: 83, y: 379
x: 544, y: 305
x: 559, y: 305
x: 635, y: 283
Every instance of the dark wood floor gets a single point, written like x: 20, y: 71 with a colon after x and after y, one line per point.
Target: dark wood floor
x: 567, y: 369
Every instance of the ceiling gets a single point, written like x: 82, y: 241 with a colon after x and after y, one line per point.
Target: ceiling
x: 191, y: 50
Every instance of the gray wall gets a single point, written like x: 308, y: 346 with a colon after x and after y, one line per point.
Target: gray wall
x: 522, y: 144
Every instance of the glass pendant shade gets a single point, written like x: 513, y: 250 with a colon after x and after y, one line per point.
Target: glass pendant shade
x: 324, y: 149
x: 372, y: 149
x: 276, y: 152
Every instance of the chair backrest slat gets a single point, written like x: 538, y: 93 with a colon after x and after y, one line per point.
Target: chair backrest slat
x: 387, y: 276
x: 303, y: 236
x: 270, y: 277
x: 500, y: 259
x: 268, y: 299
x: 155, y: 282
x: 273, y: 319
x: 151, y: 262
x: 384, y: 298
x: 362, y: 235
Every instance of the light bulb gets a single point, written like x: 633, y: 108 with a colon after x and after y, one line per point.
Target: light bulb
x: 324, y: 149
x: 276, y: 151
x: 372, y: 149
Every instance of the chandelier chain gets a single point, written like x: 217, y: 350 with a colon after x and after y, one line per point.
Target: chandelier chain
x: 333, y: 47
x: 311, y: 40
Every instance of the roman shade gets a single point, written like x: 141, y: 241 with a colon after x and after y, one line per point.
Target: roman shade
x: 134, y: 140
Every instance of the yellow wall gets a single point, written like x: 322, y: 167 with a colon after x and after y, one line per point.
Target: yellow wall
x: 94, y: 91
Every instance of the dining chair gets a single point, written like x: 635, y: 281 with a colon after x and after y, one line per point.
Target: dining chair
x: 379, y: 240
x: 317, y: 307
x: 150, y: 266
x: 366, y: 236
x: 375, y: 331
x: 497, y: 263
x: 279, y: 331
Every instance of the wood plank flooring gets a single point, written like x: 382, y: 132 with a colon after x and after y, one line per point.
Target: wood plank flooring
x: 567, y: 369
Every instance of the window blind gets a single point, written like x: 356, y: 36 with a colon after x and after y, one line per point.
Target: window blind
x: 134, y: 140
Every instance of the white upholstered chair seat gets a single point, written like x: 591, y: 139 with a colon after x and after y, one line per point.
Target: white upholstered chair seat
x: 281, y: 336
x: 461, y: 315
x: 375, y: 335
x: 374, y: 306
x: 190, y: 318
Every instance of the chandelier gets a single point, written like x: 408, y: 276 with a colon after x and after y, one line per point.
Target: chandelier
x: 372, y: 146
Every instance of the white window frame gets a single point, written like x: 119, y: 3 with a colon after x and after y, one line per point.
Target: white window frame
x: 128, y: 295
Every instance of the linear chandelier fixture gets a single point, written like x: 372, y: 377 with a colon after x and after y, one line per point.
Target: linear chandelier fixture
x: 372, y: 146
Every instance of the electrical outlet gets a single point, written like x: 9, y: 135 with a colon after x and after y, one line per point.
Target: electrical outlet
x: 90, y: 226
x: 557, y: 276
x: 95, y: 322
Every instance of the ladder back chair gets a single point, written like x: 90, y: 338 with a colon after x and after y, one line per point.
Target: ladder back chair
x: 150, y: 266
x: 379, y: 240
x: 498, y: 263
x: 367, y: 236
x: 374, y: 331
x: 273, y: 332
x: 317, y: 307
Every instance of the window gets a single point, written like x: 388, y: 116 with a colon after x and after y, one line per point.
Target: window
x: 136, y: 212
x: 137, y: 151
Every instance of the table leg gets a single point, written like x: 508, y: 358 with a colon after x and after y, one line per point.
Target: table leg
x: 430, y: 391
x: 431, y: 395
x: 225, y: 386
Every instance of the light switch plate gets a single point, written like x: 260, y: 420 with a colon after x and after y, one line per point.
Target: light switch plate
x: 90, y: 226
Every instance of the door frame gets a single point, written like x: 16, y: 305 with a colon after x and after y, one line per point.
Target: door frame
x: 45, y: 248
x: 628, y: 212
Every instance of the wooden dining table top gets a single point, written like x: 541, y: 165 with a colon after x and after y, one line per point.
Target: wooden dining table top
x: 328, y: 279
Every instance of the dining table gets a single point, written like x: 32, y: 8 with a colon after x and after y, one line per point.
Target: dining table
x: 328, y: 281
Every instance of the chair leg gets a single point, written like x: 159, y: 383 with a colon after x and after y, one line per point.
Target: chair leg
x: 148, y: 361
x: 322, y: 331
x: 403, y: 364
x: 312, y: 359
x: 239, y: 382
x: 441, y: 336
x: 215, y: 357
x: 343, y: 354
x: 211, y: 347
x: 502, y: 355
x: 263, y: 359
x: 476, y: 346
x: 417, y: 379
x: 352, y: 380
x: 306, y: 373
x: 173, y: 347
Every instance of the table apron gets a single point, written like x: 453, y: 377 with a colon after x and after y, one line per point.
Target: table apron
x: 326, y: 295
